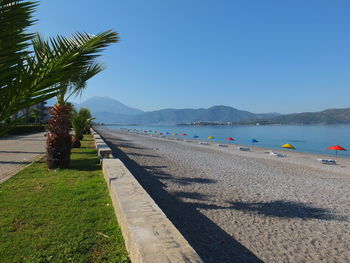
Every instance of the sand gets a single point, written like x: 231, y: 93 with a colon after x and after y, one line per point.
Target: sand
x: 235, y: 206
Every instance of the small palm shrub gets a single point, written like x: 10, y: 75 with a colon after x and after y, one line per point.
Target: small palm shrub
x: 81, y: 120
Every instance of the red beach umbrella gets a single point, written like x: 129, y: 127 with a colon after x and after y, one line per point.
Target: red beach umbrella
x: 230, y: 139
x: 336, y: 148
x: 184, y: 134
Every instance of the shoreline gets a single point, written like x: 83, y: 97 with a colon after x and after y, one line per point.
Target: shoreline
x: 322, y: 151
x: 292, y: 156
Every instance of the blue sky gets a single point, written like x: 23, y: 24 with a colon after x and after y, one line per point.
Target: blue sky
x: 263, y: 56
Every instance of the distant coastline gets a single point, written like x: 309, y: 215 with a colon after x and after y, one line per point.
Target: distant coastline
x: 305, y: 138
x: 217, y: 123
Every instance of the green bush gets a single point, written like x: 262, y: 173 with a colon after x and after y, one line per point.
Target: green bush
x: 29, y: 128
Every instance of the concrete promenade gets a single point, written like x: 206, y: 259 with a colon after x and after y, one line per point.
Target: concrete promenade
x: 16, y: 152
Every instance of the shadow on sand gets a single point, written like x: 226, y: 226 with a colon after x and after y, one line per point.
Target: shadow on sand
x: 286, y: 209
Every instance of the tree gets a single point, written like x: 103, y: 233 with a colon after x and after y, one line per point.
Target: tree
x: 36, y: 114
x: 80, y: 120
x: 59, y: 140
x: 29, y: 77
x: 88, y: 116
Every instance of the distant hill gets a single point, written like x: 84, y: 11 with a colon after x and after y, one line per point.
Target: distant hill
x: 99, y: 105
x: 329, y: 116
x: 112, y: 118
x: 216, y: 113
x: 108, y: 110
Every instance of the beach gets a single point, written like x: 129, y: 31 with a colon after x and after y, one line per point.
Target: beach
x: 235, y: 206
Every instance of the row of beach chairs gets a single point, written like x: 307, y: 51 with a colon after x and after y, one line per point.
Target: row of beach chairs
x: 272, y: 153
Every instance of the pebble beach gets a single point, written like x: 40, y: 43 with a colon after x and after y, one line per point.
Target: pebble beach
x: 235, y: 206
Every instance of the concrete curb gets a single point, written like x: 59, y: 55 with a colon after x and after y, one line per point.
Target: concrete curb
x: 149, y: 235
x: 102, y: 148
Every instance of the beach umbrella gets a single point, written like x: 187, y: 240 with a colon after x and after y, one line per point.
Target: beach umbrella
x: 174, y: 133
x: 288, y: 146
x: 196, y: 136
x: 253, y: 141
x: 184, y: 134
x: 160, y: 133
x: 336, y: 148
x: 210, y: 137
x: 230, y: 139
x: 167, y: 133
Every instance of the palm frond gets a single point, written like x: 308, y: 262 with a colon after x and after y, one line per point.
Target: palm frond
x: 15, y: 17
x: 29, y: 78
x: 78, y: 82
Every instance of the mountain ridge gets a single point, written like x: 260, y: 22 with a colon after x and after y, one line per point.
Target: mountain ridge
x: 328, y: 116
x: 107, y: 104
x: 110, y: 111
x: 219, y: 113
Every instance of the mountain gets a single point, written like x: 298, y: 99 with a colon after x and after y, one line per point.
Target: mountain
x: 329, y: 116
x: 112, y: 118
x: 99, y: 105
x: 216, y: 113
x: 108, y: 110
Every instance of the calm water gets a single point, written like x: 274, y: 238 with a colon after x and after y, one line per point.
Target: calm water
x: 312, y: 139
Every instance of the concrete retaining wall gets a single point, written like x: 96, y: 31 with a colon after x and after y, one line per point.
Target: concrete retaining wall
x: 149, y: 235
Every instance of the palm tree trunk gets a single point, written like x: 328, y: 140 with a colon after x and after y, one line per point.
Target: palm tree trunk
x: 58, y: 144
x: 76, y: 142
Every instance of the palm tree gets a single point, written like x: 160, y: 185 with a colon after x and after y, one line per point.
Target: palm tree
x: 36, y: 114
x: 29, y: 77
x: 88, y: 116
x: 59, y: 141
x: 80, y: 120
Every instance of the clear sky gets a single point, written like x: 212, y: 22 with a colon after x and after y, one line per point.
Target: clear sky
x: 257, y: 55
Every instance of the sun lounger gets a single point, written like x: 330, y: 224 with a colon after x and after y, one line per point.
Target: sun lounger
x: 278, y: 154
x: 204, y: 143
x: 222, y: 145
x: 327, y: 161
x: 323, y: 161
x: 244, y: 149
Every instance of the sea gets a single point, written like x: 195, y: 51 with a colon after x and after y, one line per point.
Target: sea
x: 306, y: 138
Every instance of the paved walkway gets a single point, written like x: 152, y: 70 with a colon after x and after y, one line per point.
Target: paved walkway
x: 17, y: 152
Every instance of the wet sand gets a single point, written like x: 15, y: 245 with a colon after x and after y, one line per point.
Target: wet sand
x: 235, y: 206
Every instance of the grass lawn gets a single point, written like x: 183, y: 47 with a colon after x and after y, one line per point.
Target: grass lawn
x: 60, y: 215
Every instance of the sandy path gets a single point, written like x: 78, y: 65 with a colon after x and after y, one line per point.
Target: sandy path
x: 245, y: 207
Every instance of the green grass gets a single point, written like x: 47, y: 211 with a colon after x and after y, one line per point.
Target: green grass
x: 60, y: 215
